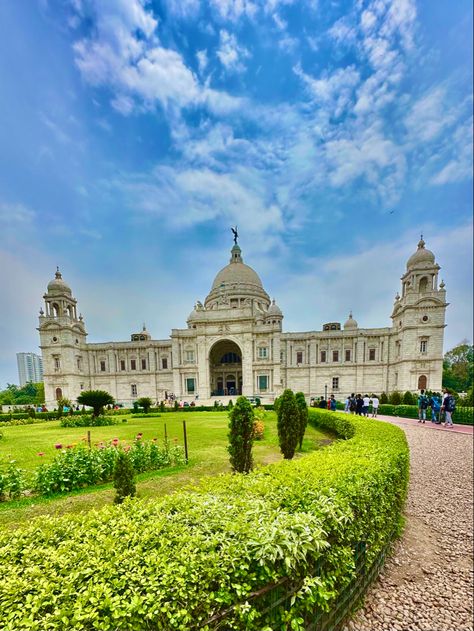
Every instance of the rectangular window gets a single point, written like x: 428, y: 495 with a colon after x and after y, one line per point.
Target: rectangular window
x: 134, y: 390
x: 57, y: 363
x: 348, y: 355
x: 299, y: 357
x: 102, y: 366
x: 133, y: 364
x: 79, y: 367
x: 371, y: 354
x: 423, y: 346
x: 323, y: 357
x: 262, y: 383
x: 263, y: 352
x: 82, y: 386
x: 335, y: 356
x: 335, y: 383
x: 189, y: 356
x: 143, y: 364
x: 190, y: 385
x: 122, y: 364
x: 164, y: 363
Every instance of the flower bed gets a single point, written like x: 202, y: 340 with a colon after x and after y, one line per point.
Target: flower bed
x: 87, y: 420
x: 176, y: 562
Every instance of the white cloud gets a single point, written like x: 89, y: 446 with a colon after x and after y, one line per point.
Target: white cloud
x: 233, y: 10
x: 230, y: 54
x: 459, y: 167
x: 335, y: 90
x: 203, y: 60
x: 430, y: 115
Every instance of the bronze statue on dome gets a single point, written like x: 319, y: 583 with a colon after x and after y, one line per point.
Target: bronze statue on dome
x: 236, y: 234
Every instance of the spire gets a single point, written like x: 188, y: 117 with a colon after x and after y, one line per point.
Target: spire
x: 58, y: 273
x: 421, y: 243
x: 236, y: 254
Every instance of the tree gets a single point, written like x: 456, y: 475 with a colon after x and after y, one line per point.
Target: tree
x: 458, y: 367
x: 145, y: 403
x: 395, y: 398
x: 408, y: 398
x: 241, y: 418
x: 124, y: 478
x: 303, y: 416
x: 383, y: 398
x: 288, y: 424
x: 96, y: 399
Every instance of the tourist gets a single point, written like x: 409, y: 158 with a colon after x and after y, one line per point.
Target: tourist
x: 365, y: 406
x: 435, y: 405
x: 332, y: 403
x: 375, y: 405
x: 323, y: 404
x: 422, y: 406
x: 359, y: 404
x: 353, y: 403
x: 347, y: 403
x: 449, y: 405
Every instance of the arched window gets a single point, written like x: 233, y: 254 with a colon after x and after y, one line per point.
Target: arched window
x: 69, y: 312
x: 59, y: 394
x: 55, y: 307
x: 230, y: 358
x: 424, y: 284
x: 422, y: 381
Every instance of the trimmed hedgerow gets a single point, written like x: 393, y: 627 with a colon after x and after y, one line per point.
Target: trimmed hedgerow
x: 87, y: 420
x: 462, y: 415
x: 174, y: 563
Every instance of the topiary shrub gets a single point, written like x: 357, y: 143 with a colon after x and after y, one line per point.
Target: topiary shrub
x: 408, y: 398
x: 96, y: 399
x: 124, y: 478
x: 288, y: 424
x: 145, y: 403
x: 303, y: 416
x: 395, y: 398
x: 241, y: 422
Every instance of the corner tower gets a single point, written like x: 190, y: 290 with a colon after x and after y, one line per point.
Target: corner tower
x: 62, y: 342
x: 418, y: 325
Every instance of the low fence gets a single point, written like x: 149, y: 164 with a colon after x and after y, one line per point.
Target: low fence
x: 272, y: 599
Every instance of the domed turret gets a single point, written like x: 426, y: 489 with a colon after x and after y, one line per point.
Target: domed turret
x: 274, y: 310
x: 421, y: 258
x: 236, y: 283
x: 58, y: 286
x: 350, y: 323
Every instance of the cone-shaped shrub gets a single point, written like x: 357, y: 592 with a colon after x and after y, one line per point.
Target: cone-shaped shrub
x: 288, y: 424
x: 124, y: 478
x: 303, y: 416
x: 241, y: 436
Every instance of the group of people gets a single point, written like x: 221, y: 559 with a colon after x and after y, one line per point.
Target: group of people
x: 358, y: 404
x: 330, y: 404
x: 438, y: 407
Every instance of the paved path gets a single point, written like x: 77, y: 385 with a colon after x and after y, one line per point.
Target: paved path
x: 428, y: 583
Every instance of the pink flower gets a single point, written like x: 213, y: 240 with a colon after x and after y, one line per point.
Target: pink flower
x: 139, y: 436
x: 58, y: 446
x: 126, y: 448
x: 40, y: 453
x: 69, y: 446
x: 115, y: 442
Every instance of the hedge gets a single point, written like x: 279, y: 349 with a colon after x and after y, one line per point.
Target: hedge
x: 462, y: 415
x: 175, y: 562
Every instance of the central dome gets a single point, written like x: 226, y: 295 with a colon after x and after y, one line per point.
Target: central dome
x: 237, y: 281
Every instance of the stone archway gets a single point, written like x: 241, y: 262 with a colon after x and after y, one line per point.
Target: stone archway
x: 225, y: 369
x: 422, y: 382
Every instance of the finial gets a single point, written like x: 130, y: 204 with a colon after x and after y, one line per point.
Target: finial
x: 58, y: 273
x: 41, y: 311
x: 442, y: 285
x: 397, y: 297
x: 350, y: 314
x: 236, y: 234
x: 80, y: 317
x: 421, y: 243
x: 144, y: 327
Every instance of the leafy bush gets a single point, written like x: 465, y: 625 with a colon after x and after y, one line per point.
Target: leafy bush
x: 302, y: 416
x: 145, y: 403
x: 241, y: 435
x: 383, y: 398
x: 124, y: 478
x: 13, y: 480
x: 288, y: 424
x: 395, y: 398
x: 462, y: 415
x: 96, y: 399
x: 87, y: 421
x: 409, y: 398
x: 176, y: 562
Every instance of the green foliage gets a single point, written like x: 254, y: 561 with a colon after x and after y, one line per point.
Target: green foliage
x: 458, y: 367
x: 230, y: 405
x: 463, y: 415
x: 241, y: 436
x: 288, y: 424
x: 12, y: 480
x: 176, y: 405
x: 30, y: 393
x: 303, y: 416
x: 124, y: 478
x: 383, y: 398
x: 88, y: 421
x: 174, y: 563
x: 145, y: 403
x: 395, y: 398
x: 96, y: 399
x: 409, y: 398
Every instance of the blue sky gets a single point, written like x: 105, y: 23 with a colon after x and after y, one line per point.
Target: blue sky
x: 134, y: 134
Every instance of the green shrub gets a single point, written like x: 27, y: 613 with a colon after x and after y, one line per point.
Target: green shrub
x: 383, y: 398
x: 409, y: 398
x: 395, y: 398
x: 145, y: 403
x: 241, y: 436
x: 461, y: 416
x: 87, y: 421
x: 176, y: 562
x: 96, y: 399
x: 124, y: 478
x: 302, y: 416
x: 13, y: 480
x: 288, y: 424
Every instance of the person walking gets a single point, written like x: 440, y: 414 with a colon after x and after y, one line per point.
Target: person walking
x: 375, y: 405
x: 449, y: 405
x: 366, y: 403
x: 359, y: 404
x: 353, y: 403
x: 435, y: 406
x: 332, y: 403
x: 422, y: 406
x: 323, y: 403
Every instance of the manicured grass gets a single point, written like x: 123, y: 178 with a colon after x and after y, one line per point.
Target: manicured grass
x: 207, y: 443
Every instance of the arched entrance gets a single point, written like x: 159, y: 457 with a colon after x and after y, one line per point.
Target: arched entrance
x: 59, y: 394
x: 422, y: 381
x: 225, y: 369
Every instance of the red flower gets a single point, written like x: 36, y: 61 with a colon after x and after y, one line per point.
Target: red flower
x: 58, y: 446
x: 40, y: 453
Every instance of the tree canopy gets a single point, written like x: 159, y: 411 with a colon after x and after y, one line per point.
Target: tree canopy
x: 29, y: 394
x: 96, y: 399
x: 458, y: 367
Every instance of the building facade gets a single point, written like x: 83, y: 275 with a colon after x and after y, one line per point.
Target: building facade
x: 234, y: 344
x: 30, y: 368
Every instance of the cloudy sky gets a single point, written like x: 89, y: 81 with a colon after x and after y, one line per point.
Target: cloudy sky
x: 134, y: 134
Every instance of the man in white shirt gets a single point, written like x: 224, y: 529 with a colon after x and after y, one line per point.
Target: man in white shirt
x: 375, y: 405
x: 365, y: 407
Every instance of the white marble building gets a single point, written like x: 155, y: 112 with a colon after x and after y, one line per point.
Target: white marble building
x: 234, y: 343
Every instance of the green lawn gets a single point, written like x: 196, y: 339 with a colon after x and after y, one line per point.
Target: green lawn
x: 207, y: 442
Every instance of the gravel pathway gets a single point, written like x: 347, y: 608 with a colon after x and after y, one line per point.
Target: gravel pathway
x: 427, y: 584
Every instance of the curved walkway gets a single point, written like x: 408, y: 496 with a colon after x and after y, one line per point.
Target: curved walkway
x: 427, y: 584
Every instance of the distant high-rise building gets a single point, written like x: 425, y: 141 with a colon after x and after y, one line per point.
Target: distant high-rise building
x: 30, y: 368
